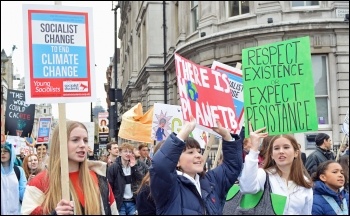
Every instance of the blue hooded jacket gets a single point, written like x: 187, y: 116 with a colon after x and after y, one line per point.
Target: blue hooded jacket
x: 320, y: 205
x: 12, y: 190
x: 176, y: 195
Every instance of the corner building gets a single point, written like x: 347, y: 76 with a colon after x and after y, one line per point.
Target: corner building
x: 204, y: 31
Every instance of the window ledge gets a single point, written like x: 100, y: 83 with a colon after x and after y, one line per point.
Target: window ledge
x: 306, y: 9
x: 241, y: 17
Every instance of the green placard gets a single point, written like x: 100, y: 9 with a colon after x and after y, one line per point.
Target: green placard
x: 279, y: 87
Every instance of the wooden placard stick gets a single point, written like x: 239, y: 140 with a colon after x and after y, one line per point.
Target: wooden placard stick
x: 217, y: 156
x: 341, y: 144
x: 63, y: 150
x: 208, y: 147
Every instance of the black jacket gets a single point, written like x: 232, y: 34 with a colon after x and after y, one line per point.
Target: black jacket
x: 116, y: 178
x: 145, y: 203
x: 316, y: 158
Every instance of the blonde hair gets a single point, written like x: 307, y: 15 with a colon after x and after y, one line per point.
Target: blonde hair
x: 92, y: 204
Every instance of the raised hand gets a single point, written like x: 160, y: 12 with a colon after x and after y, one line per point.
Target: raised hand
x: 132, y: 160
x: 224, y: 132
x: 187, y: 128
x: 255, y: 136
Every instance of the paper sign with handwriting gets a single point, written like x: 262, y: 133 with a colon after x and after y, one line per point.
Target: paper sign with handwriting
x: 279, y: 87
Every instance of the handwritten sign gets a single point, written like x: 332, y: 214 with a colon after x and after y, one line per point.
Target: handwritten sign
x: 59, y: 54
x: 19, y: 116
x: 205, y: 94
x: 279, y: 87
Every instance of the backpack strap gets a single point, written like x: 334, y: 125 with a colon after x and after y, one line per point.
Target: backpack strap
x: 18, y: 173
x: 337, y: 209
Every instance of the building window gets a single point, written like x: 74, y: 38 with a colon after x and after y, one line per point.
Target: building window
x: 44, y: 110
x: 320, y: 72
x: 305, y: 3
x: 238, y: 8
x: 194, y: 14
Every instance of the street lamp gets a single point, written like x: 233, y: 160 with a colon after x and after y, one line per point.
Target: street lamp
x: 115, y: 6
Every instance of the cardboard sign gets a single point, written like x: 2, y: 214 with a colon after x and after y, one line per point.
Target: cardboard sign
x: 205, y: 94
x: 19, y: 116
x: 279, y: 87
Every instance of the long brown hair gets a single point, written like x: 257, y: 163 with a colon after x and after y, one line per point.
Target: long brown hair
x: 53, y: 194
x: 26, y: 169
x: 264, y: 146
x: 297, y: 171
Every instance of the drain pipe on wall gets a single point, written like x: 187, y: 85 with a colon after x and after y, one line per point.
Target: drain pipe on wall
x: 165, y: 52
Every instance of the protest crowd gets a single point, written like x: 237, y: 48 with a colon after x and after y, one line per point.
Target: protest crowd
x: 174, y: 181
x: 259, y: 168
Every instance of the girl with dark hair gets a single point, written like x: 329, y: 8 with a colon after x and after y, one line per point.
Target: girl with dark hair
x: 329, y: 196
x: 178, y: 184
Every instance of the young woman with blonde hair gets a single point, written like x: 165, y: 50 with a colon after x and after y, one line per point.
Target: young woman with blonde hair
x: 90, y: 192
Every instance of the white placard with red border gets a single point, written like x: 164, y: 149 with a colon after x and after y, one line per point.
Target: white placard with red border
x: 58, y: 54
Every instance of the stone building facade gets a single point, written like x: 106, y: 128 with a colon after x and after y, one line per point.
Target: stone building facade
x: 204, y: 31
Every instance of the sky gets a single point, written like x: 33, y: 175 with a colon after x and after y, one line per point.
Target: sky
x: 103, y: 25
